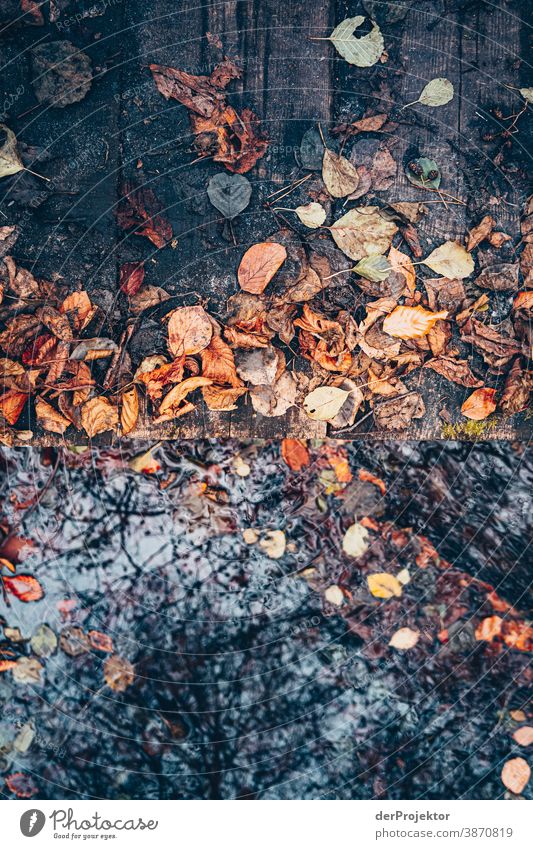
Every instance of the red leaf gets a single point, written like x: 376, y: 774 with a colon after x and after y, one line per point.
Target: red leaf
x: 140, y: 208
x: 21, y: 785
x: 131, y: 277
x: 100, y: 642
x: 295, y: 453
x: 24, y: 587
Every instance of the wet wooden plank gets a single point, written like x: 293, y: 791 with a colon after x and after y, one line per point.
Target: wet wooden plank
x: 124, y: 129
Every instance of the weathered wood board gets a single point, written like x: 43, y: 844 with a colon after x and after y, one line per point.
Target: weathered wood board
x: 124, y: 128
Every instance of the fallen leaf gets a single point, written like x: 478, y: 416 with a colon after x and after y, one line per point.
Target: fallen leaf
x: 229, y: 193
x: 397, y: 413
x: 12, y: 404
x: 501, y: 277
x: 131, y: 276
x: 147, y: 297
x: 489, y: 628
x: 74, y: 641
x: 276, y: 399
x: 10, y: 161
x: 24, y: 587
x: 189, y: 331
x: 62, y: 73
x: 424, y: 173
x: 479, y: 404
x: 480, y: 232
x: 222, y: 399
x: 140, y: 209
x: 43, y: 641
x: 259, y: 265
x: 404, y: 639
x: 437, y: 92
x: 312, y: 215
x: 334, y: 595
x: 450, y: 260
x: 323, y: 403
x: 341, y: 178
x: 218, y: 363
x: 295, y: 454
x: 28, y: 670
x: 527, y: 94
x: 375, y: 268
x: 312, y: 150
x: 170, y: 407
x: 145, y: 463
x: 79, y: 310
x: 524, y: 736
x: 523, y: 301
x: 411, y: 322
x: 364, y: 475
x: 273, y: 544
x: 6, y: 665
x: 129, y: 409
x: 93, y: 349
x: 364, y: 51
x: 21, y: 785
x: 98, y: 415
x: 517, y: 390
x: 49, y: 418
x: 458, y: 371
x: 363, y: 232
x: 119, y: 673
x: 402, y: 263
x: 516, y: 774
x: 356, y: 540
x: 100, y: 642
x: 250, y: 536
x: 384, y: 585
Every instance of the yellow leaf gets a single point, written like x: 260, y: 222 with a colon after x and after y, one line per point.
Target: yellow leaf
x: 451, y: 260
x: 341, y: 178
x: 383, y: 585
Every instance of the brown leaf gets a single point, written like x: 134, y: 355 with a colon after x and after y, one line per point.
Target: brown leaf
x: 323, y: 341
x: 131, y: 277
x: 411, y: 322
x: 24, y: 587
x: 18, y: 331
x: 156, y: 375
x: 74, y: 641
x: 501, y: 277
x: 222, y: 399
x: 401, y: 263
x: 129, y: 410
x: 79, y: 310
x: 259, y: 265
x: 147, y: 297
x: 139, y: 208
x: 189, y: 331
x: 383, y: 171
x: 170, y: 405
x: 218, y: 363
x: 50, y: 418
x: 526, y: 264
x: 517, y: 389
x: 295, y: 454
x: 516, y: 774
x: 276, y: 399
x: 397, y: 413
x: 480, y: 232
x: 458, y: 371
x: 523, y: 301
x: 119, y: 673
x: 56, y: 322
x: 98, y: 415
x: 62, y: 73
x: 495, y: 347
x: 479, y: 404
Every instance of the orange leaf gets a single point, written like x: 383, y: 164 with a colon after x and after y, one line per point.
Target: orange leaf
x: 518, y: 635
x: 79, y: 309
x: 489, y: 628
x: 7, y: 564
x: 50, y: 418
x: 129, y: 412
x: 411, y: 322
x: 12, y: 404
x: 516, y: 774
x: 222, y: 399
x: 170, y: 405
x: 368, y: 476
x: 218, y: 363
x: 118, y: 673
x: 479, y: 404
x: 131, y: 276
x: 258, y: 266
x: 98, y: 415
x: 524, y: 736
x: 24, y: 587
x: 21, y: 785
x: 295, y: 453
x: 100, y: 642
x: 523, y: 301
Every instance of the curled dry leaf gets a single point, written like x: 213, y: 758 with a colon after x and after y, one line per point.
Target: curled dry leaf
x: 363, y: 232
x: 218, y: 363
x: 189, y: 331
x: 364, y: 51
x: 170, y: 407
x: 273, y: 544
x: 384, y: 585
x: 295, y: 454
x: 450, y: 260
x: 98, y: 415
x: 479, y: 404
x: 129, y: 410
x: 24, y: 587
x: 411, y: 322
x: 480, y: 232
x: 312, y: 215
x: 489, y: 628
x: 119, y: 673
x: 517, y: 390
x: 100, y: 642
x: 50, y: 418
x: 78, y: 309
x: 341, y: 178
x: 323, y: 403
x: 402, y: 263
x: 516, y: 774
x: 458, y: 371
x: 222, y: 399
x: 259, y: 265
x: 404, y: 639
x: 139, y: 208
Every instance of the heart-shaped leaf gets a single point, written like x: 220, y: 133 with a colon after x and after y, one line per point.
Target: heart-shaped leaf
x: 229, y: 193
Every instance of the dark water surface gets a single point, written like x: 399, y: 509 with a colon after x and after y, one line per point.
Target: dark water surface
x: 248, y: 683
